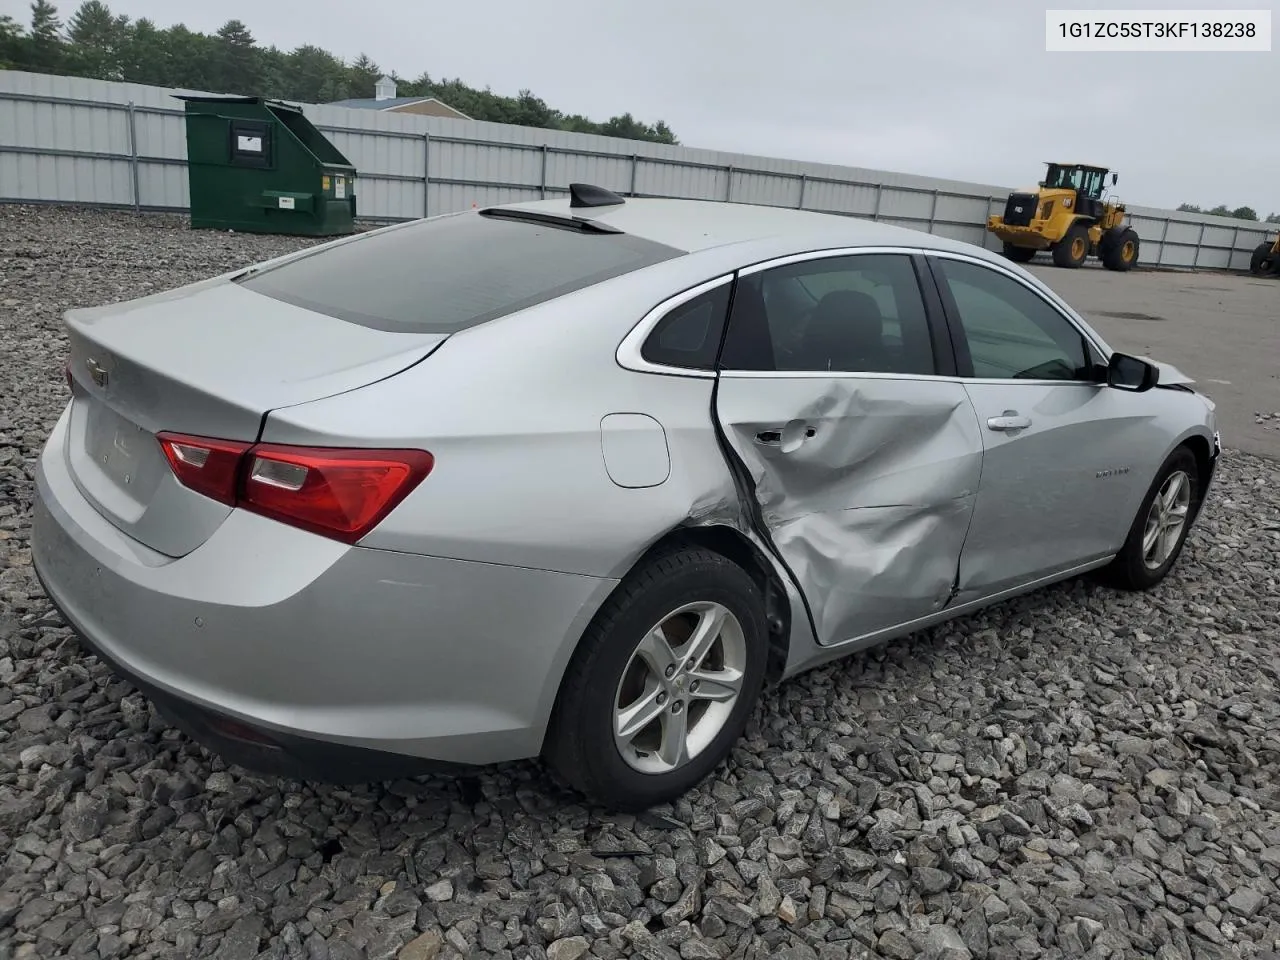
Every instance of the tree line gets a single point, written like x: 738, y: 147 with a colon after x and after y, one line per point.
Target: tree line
x: 98, y: 44
x: 1222, y: 210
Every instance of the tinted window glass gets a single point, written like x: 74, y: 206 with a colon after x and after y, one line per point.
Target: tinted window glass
x: 689, y: 335
x: 443, y: 275
x: 851, y: 314
x: 1012, y: 332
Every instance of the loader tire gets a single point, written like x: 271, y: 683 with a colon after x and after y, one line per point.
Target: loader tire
x: 1263, y: 261
x: 1072, y: 249
x: 1120, y: 248
x: 1019, y: 254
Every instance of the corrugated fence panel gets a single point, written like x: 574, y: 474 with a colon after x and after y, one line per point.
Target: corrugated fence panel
x: 452, y: 197
x: 158, y: 135
x: 163, y: 186
x: 380, y: 199
x: 962, y: 210
x: 857, y: 199
x: 666, y: 179
x: 966, y: 233
x: 914, y: 208
x: 381, y: 155
x: 497, y: 164
x: 74, y: 140
x: 1184, y: 232
x: 608, y: 172
x: 771, y: 189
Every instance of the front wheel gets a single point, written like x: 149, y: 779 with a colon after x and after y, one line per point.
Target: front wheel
x: 1073, y: 248
x: 1161, y: 527
x: 663, y: 682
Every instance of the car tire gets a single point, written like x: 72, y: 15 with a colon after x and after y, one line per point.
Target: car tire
x: 1138, y: 566
x: 1073, y: 249
x: 637, y: 769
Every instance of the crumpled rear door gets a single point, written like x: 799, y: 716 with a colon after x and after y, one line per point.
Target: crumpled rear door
x: 865, y: 486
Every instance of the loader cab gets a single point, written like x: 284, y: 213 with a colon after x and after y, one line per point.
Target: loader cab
x: 1088, y: 182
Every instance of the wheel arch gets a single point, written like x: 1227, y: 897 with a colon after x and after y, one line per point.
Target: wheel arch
x: 1200, y: 443
x: 728, y: 542
x: 1202, y: 449
x: 739, y: 549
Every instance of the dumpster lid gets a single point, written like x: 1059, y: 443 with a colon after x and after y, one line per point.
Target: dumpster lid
x: 230, y: 98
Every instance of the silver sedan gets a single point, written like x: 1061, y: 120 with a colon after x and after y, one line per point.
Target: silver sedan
x: 579, y: 478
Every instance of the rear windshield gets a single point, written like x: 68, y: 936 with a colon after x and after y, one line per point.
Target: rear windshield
x: 449, y: 273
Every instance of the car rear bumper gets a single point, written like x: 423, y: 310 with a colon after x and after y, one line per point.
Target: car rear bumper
x: 350, y: 663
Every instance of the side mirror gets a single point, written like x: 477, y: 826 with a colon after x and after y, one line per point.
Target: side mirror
x: 1130, y: 373
x: 1115, y: 178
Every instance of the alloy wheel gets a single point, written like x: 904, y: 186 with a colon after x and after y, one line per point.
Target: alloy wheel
x: 1166, y: 520
x: 679, y: 687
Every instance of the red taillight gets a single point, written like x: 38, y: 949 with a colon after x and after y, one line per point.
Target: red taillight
x: 206, y: 466
x: 338, y: 493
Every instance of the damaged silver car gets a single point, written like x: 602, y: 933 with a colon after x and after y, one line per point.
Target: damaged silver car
x: 577, y: 478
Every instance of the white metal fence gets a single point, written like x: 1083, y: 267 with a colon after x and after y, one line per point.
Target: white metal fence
x: 72, y: 140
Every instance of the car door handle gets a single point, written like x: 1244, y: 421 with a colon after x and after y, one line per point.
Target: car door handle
x: 1010, y: 420
x: 788, y: 437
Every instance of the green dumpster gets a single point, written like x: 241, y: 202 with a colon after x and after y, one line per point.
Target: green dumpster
x: 260, y: 166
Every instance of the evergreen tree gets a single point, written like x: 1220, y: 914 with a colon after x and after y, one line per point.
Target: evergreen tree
x: 45, y: 50
x: 97, y: 41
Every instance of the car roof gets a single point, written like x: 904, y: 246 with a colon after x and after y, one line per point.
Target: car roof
x: 698, y: 225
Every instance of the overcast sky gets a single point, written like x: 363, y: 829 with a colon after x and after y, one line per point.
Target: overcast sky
x: 947, y: 88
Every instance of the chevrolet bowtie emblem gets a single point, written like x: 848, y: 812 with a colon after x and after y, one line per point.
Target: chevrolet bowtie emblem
x: 97, y: 372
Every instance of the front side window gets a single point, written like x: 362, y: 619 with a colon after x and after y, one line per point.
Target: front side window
x: 1011, y: 332
x: 861, y: 313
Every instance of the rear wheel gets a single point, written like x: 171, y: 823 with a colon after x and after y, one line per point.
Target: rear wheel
x: 1120, y: 248
x: 1019, y: 254
x: 1073, y: 248
x: 1160, y: 529
x: 1262, y: 262
x: 663, y: 682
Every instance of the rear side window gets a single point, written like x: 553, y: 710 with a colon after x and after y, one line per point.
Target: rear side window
x: 446, y: 274
x: 689, y: 335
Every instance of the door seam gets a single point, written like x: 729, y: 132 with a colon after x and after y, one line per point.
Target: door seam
x: 982, y: 463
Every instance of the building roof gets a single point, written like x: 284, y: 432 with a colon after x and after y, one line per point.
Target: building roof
x: 370, y: 103
x: 392, y: 103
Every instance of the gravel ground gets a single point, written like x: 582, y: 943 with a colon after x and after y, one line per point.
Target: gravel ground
x: 1076, y: 773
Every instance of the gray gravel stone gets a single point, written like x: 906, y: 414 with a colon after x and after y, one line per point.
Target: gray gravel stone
x: 569, y: 948
x: 1246, y: 902
x: 946, y: 943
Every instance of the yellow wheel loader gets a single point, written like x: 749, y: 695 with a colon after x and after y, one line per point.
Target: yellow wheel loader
x: 1265, y: 261
x: 1067, y: 215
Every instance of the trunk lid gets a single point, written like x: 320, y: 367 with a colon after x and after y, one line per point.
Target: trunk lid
x: 211, y: 359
